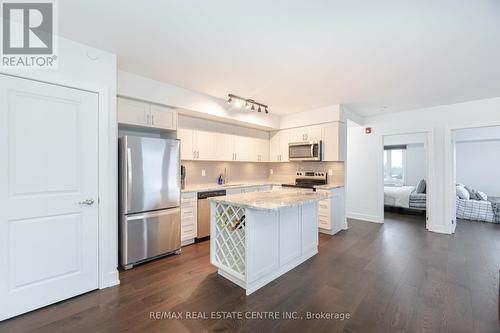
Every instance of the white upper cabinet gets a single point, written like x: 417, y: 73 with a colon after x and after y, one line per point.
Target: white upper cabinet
x: 334, y: 141
x: 206, y: 140
x: 225, y: 142
x: 213, y: 141
x: 163, y: 117
x: 132, y: 112
x: 198, y: 139
x: 278, y: 145
x: 186, y: 133
x: 332, y: 135
x: 306, y: 133
x: 135, y: 113
x: 262, y: 143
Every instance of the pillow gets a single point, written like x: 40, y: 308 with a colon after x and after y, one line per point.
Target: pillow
x: 421, y: 187
x: 462, y: 193
x: 473, y: 194
x: 482, y: 196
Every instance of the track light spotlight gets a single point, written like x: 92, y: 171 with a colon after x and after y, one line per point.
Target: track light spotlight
x: 249, y: 104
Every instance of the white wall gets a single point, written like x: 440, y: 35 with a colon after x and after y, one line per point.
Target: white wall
x: 365, y: 192
x: 478, y: 159
x: 77, y: 69
x: 415, y: 163
x: 478, y: 164
x: 191, y: 102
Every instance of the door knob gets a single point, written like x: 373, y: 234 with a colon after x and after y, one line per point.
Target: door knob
x: 87, y: 202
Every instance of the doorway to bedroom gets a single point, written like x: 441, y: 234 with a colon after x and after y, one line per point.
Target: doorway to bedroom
x: 405, y: 166
x: 476, y: 161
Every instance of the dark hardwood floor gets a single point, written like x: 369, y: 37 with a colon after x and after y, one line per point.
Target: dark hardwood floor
x: 390, y: 278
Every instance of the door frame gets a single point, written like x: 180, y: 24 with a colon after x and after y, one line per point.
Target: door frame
x: 450, y: 213
x: 429, y: 148
x: 107, y: 172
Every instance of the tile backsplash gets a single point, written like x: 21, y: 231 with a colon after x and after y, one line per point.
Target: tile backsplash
x: 285, y: 172
x: 236, y: 171
x: 246, y: 171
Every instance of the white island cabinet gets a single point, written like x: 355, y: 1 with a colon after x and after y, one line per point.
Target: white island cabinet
x: 256, y: 237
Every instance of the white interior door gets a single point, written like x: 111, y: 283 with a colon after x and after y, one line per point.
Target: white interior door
x: 48, y: 194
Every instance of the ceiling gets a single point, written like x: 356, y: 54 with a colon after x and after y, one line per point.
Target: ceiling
x: 374, y: 56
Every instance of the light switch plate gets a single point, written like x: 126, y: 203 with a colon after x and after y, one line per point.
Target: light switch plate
x: 203, y: 173
x: 271, y: 171
x: 330, y: 172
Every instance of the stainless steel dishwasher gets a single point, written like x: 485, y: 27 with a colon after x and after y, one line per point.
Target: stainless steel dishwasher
x: 204, y: 211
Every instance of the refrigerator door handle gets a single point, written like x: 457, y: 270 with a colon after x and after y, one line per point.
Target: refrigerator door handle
x: 129, y: 176
x: 141, y: 216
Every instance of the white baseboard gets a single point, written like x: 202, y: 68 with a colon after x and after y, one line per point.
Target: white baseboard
x: 364, y: 217
x: 111, y: 279
x: 441, y: 229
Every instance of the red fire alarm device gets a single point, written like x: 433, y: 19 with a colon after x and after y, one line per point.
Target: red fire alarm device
x: 368, y: 130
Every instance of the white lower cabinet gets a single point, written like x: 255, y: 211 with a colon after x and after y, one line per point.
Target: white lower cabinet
x: 331, y: 212
x: 189, y: 217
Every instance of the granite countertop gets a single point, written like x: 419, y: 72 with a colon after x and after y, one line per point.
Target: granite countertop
x: 272, y: 200
x: 214, y: 187
x: 328, y: 186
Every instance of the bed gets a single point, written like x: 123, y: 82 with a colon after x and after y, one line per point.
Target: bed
x: 404, y: 197
x: 479, y: 210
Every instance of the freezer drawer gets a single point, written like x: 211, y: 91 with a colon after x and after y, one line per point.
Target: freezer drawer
x: 148, y: 235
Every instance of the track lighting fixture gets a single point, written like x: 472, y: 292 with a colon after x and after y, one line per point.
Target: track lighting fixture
x: 250, y: 104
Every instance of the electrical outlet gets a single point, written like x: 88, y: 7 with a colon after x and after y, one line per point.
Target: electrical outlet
x: 330, y: 172
x: 203, y: 173
x: 271, y: 171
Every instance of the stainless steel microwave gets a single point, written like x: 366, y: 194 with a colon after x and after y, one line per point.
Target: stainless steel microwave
x: 304, y: 151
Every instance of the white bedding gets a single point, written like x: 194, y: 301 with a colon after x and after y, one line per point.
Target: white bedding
x: 398, y: 196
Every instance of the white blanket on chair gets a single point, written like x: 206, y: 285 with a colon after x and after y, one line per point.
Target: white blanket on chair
x: 398, y: 196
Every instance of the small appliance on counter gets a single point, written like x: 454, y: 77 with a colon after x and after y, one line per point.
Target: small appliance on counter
x: 309, y: 179
x: 150, y: 216
x: 183, y: 177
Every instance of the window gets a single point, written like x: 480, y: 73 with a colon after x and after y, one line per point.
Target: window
x: 394, y: 165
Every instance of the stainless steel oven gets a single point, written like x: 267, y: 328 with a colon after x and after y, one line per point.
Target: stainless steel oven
x: 304, y: 151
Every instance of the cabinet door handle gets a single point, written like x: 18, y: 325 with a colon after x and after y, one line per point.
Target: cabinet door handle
x: 147, y: 119
x: 152, y: 119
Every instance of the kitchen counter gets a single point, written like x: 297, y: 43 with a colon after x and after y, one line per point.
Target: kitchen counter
x: 215, y: 187
x: 328, y: 186
x: 257, y: 237
x: 272, y: 200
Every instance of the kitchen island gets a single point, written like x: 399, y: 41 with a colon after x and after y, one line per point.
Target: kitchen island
x: 257, y: 237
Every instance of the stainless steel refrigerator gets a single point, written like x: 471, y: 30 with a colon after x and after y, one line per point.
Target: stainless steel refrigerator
x: 150, y: 180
